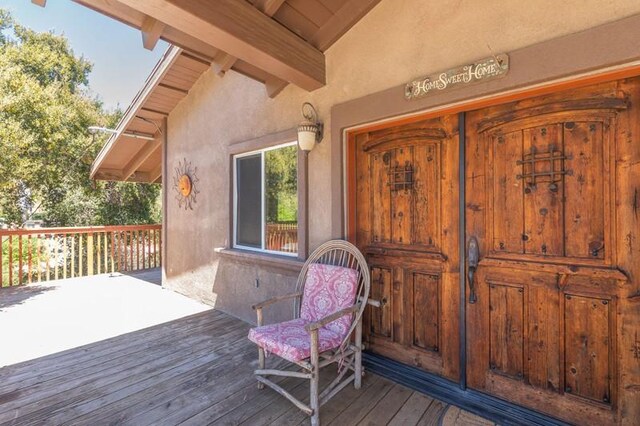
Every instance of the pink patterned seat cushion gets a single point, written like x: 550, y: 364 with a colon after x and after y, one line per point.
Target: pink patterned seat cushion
x: 289, y: 340
x: 327, y: 289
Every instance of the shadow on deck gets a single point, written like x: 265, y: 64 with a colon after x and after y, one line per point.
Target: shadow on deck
x: 195, y: 370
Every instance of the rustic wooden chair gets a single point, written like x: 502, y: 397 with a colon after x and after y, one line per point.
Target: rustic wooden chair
x: 331, y: 294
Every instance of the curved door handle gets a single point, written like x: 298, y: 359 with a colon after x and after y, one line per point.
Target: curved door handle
x: 473, y: 257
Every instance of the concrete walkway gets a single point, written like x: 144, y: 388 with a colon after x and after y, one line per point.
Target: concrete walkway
x: 42, y: 319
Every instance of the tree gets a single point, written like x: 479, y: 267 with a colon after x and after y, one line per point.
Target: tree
x: 45, y: 150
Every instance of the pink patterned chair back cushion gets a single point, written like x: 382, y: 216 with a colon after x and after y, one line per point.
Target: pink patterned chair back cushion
x: 328, y: 289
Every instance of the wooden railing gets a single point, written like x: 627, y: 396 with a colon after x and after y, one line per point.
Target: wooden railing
x: 44, y: 254
x: 282, y: 236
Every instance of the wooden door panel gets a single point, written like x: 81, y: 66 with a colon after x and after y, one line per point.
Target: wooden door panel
x: 585, y: 213
x: 508, y: 218
x: 506, y: 325
x: 380, y: 207
x: 405, y: 179
x: 550, y: 192
x: 545, y: 330
x: 587, y: 363
x: 543, y: 338
x: 426, y: 209
x: 543, y: 209
x: 380, y: 321
x: 399, y: 179
x: 426, y: 311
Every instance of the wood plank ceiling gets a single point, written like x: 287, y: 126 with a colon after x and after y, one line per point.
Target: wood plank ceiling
x: 276, y: 42
x: 134, y: 153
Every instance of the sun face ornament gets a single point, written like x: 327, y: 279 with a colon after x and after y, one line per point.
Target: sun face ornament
x: 184, y: 184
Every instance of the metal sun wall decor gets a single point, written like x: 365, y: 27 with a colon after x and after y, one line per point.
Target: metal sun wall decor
x: 184, y: 184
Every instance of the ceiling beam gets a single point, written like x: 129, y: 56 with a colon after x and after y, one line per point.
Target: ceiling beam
x: 108, y: 174
x: 156, y: 173
x: 223, y: 63
x: 115, y: 175
x: 173, y: 88
x: 341, y: 22
x: 274, y: 86
x: 149, y: 148
x: 151, y: 32
x: 241, y: 30
x: 226, y: 61
x: 134, y: 18
x: 269, y: 7
x: 154, y: 111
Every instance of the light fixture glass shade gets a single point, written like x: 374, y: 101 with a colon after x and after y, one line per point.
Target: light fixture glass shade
x: 307, y: 136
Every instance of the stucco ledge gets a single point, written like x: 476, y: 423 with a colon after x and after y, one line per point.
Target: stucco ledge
x: 270, y: 261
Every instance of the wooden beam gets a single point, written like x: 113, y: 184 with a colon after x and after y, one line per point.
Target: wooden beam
x: 108, y: 174
x: 41, y: 3
x: 149, y: 148
x: 269, y: 7
x: 174, y: 88
x: 151, y: 31
x: 115, y: 175
x: 156, y: 173
x: 347, y: 16
x: 141, y: 177
x: 274, y: 86
x: 241, y: 30
x: 223, y: 63
x: 154, y: 111
x: 134, y: 18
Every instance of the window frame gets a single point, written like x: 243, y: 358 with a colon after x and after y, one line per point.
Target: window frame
x: 261, y: 146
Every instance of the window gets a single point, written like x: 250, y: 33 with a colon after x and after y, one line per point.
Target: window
x: 266, y: 200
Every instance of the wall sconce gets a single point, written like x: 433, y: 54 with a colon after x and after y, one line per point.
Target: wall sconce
x: 310, y: 130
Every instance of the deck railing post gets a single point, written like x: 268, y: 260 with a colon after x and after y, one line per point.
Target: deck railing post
x: 10, y: 260
x: 90, y: 254
x: 1, y: 259
x: 20, y: 259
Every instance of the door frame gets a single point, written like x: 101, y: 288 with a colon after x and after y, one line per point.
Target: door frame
x: 451, y: 392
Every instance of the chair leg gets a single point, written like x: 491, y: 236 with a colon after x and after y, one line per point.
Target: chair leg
x: 260, y: 364
x: 314, y: 399
x: 357, y: 382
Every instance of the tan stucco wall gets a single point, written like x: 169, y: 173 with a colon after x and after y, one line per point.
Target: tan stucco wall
x: 397, y: 41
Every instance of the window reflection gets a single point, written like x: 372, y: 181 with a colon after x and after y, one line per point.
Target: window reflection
x: 281, y: 199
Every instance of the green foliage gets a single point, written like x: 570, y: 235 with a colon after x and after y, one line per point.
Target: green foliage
x: 45, y: 150
x: 281, y: 184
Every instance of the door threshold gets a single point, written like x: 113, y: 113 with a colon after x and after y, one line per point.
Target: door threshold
x: 490, y: 407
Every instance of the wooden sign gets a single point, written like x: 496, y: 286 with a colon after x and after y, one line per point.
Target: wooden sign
x: 486, y: 69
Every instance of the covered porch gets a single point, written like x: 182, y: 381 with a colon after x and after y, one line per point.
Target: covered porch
x: 193, y: 369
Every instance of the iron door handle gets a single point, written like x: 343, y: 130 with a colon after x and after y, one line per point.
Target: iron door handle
x: 473, y: 257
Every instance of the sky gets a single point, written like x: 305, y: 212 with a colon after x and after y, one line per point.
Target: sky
x: 120, y: 63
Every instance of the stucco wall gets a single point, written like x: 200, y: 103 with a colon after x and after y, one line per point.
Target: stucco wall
x: 397, y: 41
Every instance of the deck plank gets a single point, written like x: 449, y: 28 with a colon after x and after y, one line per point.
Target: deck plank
x: 412, y: 411
x: 387, y: 407
x: 433, y: 415
x: 331, y: 409
x: 116, y: 350
x: 129, y: 401
x: 48, y: 397
x: 195, y: 370
x: 361, y: 406
x: 134, y: 340
x: 455, y: 416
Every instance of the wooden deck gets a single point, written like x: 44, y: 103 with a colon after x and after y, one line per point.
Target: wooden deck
x: 195, y: 370
x: 38, y: 320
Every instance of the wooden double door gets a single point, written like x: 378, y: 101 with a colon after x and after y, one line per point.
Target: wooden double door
x: 549, y: 310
